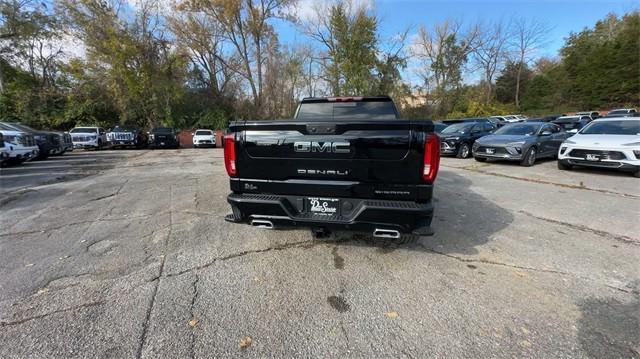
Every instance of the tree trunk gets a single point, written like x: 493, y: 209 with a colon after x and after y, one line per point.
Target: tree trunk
x: 518, y: 75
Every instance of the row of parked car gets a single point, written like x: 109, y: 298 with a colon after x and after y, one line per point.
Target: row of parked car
x: 20, y: 143
x: 123, y: 137
x: 611, y: 141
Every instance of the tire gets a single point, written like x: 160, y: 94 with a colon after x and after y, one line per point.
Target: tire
x: 464, y: 151
x: 480, y: 159
x: 530, y: 158
x: 563, y: 166
x: 636, y: 173
x: 99, y: 145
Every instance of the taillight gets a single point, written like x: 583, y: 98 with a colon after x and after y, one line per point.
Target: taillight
x: 230, y: 155
x: 431, y: 161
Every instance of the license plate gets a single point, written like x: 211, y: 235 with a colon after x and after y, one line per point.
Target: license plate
x: 323, y: 206
x: 490, y: 150
x: 592, y: 157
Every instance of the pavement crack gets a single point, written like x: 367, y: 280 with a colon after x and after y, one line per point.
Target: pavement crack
x: 49, y: 229
x: 487, y: 261
x: 24, y: 320
x: 242, y: 254
x: 191, y: 309
x: 578, y: 227
x: 145, y: 324
x: 564, y: 185
x: 532, y: 269
x: 346, y: 337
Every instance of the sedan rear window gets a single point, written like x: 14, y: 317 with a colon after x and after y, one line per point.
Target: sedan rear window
x: 622, y: 127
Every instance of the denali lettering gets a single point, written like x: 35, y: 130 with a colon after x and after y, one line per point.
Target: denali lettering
x: 322, y: 172
x: 312, y: 146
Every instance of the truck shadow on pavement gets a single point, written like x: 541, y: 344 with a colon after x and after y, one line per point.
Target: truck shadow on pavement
x: 463, y: 221
x: 608, y: 328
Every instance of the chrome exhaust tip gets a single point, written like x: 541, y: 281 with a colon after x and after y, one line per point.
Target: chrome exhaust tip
x: 262, y: 223
x: 386, y: 233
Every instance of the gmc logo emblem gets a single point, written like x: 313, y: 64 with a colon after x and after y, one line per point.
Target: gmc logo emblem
x: 329, y: 147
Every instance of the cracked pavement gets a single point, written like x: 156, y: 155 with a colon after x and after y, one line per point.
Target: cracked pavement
x: 126, y: 254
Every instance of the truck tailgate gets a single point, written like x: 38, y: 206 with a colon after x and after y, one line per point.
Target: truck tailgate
x: 367, y: 159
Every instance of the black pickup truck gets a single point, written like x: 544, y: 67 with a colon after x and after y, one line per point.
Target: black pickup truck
x: 341, y: 163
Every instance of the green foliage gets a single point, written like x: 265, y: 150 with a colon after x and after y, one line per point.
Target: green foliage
x: 603, y: 63
x: 506, y: 82
x: 354, y: 56
x: 476, y: 108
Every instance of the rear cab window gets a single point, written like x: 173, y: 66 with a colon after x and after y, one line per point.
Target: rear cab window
x: 370, y: 109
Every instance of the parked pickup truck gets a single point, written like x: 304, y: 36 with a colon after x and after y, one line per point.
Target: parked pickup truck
x: 341, y: 163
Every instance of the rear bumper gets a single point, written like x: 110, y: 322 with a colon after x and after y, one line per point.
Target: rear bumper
x: 356, y: 214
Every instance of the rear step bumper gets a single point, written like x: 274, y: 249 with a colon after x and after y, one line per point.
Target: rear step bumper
x: 356, y: 214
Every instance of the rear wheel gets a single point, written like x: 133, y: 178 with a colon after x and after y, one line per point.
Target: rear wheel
x: 530, y: 158
x: 464, y: 151
x: 563, y: 166
x: 637, y: 173
x: 99, y: 145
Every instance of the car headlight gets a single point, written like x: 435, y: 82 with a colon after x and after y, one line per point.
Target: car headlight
x: 515, y: 144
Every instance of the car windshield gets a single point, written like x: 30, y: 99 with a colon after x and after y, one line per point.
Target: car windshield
x: 123, y: 129
x: 84, y: 130
x: 163, y: 130
x: 519, y: 129
x: 622, y: 127
x: 458, y: 128
x: 203, y: 133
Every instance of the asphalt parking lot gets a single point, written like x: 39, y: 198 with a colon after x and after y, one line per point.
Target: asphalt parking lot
x: 126, y: 254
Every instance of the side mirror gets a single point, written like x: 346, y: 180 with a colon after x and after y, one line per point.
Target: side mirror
x: 546, y: 133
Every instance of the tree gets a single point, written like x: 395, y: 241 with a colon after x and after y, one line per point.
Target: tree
x: 443, y: 52
x: 246, y: 26
x: 528, y: 35
x: 602, y: 63
x: 348, y: 35
x: 490, y: 54
x: 142, y: 70
x: 512, y: 80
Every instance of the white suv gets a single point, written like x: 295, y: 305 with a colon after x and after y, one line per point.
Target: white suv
x: 89, y: 137
x: 605, y: 143
x: 19, y: 145
x: 204, y: 138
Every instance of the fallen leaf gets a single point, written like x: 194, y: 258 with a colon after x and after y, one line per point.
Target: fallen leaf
x: 520, y: 274
x: 245, y: 342
x: 193, y: 322
x: 29, y: 265
x: 42, y: 291
x: 391, y: 315
x: 524, y: 330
